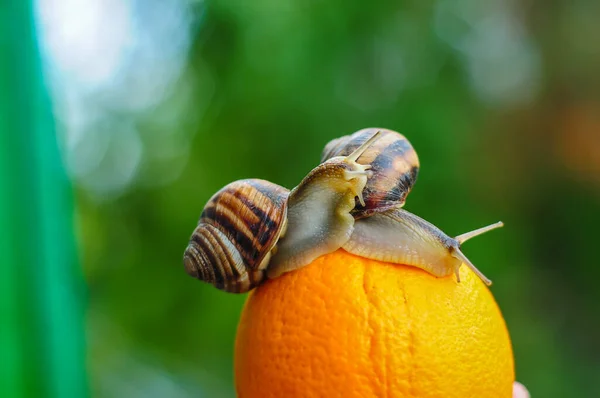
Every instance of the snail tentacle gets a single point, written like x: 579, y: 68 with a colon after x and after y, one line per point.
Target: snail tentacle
x: 398, y: 236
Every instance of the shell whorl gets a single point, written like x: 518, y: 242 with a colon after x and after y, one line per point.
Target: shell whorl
x: 394, y: 164
x: 238, y: 228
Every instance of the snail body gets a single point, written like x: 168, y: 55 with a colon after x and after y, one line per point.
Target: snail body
x: 319, y: 213
x: 252, y: 230
x: 398, y: 236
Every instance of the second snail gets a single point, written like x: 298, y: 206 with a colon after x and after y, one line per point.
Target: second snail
x: 253, y: 230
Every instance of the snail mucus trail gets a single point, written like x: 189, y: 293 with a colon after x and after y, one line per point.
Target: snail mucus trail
x: 253, y: 229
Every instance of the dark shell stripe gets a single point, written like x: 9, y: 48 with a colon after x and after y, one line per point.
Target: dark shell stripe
x: 231, y: 264
x: 268, y: 201
x: 220, y: 220
x: 198, y: 249
x: 344, y: 146
x: 403, y: 187
x: 217, y: 263
x: 238, y: 227
x: 394, y: 164
x: 274, y: 192
x: 222, y: 249
x: 233, y: 214
x: 388, y: 187
x: 271, y: 197
x: 214, y: 264
x: 264, y: 225
x: 206, y: 255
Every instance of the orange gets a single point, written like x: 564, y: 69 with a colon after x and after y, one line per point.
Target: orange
x: 346, y: 326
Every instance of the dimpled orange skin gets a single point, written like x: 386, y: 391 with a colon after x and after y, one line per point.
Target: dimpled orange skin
x: 346, y: 326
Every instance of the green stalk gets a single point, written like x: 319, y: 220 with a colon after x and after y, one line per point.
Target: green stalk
x: 41, y: 287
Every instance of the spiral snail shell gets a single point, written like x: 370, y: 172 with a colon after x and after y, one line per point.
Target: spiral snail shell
x: 237, y: 233
x: 253, y: 229
x: 394, y: 164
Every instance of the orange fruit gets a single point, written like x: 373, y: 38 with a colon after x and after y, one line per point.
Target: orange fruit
x: 346, y: 326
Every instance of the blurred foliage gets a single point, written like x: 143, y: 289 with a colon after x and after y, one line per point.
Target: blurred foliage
x: 500, y: 99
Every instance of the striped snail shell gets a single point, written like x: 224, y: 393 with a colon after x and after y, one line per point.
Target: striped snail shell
x: 237, y: 234
x: 394, y: 164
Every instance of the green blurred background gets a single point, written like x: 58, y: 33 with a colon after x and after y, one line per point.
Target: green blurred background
x: 156, y: 105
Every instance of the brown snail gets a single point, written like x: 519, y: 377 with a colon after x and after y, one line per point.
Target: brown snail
x: 253, y: 229
x: 383, y: 231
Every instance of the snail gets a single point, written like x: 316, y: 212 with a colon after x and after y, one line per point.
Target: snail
x: 253, y: 229
x: 394, y: 164
x: 382, y: 230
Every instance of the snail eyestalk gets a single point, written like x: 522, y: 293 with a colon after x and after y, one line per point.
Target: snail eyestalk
x: 465, y: 237
x: 360, y: 170
x: 456, y: 253
x: 361, y: 149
